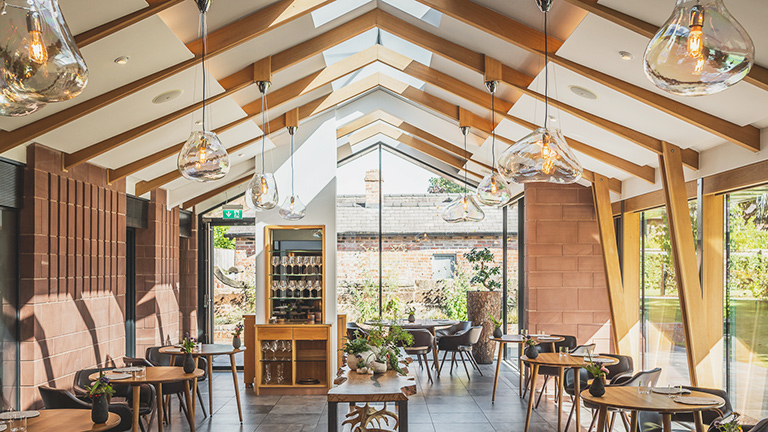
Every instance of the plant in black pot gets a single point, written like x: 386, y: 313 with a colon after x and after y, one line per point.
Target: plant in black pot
x: 530, y: 348
x: 497, y: 333
x: 187, y: 346
x: 100, y: 392
x: 484, y: 301
x: 236, y: 342
x: 411, y: 314
x: 598, y: 371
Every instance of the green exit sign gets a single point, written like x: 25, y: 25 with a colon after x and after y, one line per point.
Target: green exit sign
x: 233, y: 212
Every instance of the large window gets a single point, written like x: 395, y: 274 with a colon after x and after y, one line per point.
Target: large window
x: 747, y: 300
x: 8, y: 289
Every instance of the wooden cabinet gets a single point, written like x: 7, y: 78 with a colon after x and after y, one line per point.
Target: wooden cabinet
x: 289, y: 359
x: 295, y: 273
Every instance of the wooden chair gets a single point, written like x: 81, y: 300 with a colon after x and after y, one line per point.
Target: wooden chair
x: 423, y: 342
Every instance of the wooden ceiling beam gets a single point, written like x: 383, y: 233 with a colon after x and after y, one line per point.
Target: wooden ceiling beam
x: 219, y: 41
x: 503, y: 27
x: 210, y: 194
x: 758, y: 75
x: 97, y: 33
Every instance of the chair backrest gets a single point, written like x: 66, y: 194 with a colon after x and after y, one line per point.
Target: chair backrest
x: 460, y: 327
x: 421, y: 338
x: 762, y: 426
x: 569, y: 342
x: 650, y: 376
x: 624, y: 366
x: 60, y: 399
x: 707, y: 416
x: 583, y: 349
x: 473, y: 335
x: 156, y: 358
x: 81, y: 381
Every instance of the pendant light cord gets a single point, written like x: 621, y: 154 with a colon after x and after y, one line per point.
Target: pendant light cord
x: 204, y: 40
x: 263, y: 129
x: 546, y: 73
x: 493, y: 133
x: 465, y: 164
x: 292, y: 191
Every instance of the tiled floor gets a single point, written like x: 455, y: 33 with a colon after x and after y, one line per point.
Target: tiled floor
x: 452, y: 403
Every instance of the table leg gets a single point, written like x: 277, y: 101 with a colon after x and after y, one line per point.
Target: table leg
x: 402, y: 412
x: 210, y: 385
x: 602, y: 414
x: 561, y: 377
x: 237, y: 390
x: 498, y: 368
x: 434, y: 350
x: 633, y: 422
x: 136, y: 397
x: 159, y: 398
x: 520, y: 368
x: 194, y: 388
x: 667, y: 422
x: 698, y: 421
x: 333, y: 416
x: 577, y: 397
x: 188, y: 399
x: 532, y: 396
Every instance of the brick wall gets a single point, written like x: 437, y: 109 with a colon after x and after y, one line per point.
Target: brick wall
x: 157, y: 276
x: 188, y: 280
x: 72, y: 272
x: 565, y: 280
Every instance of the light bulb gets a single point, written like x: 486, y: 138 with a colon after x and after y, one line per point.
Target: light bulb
x: 38, y: 53
x: 542, y: 156
x: 700, y: 50
x: 493, y: 190
x: 463, y: 209
x: 41, y: 61
x: 203, y: 157
x: 262, y: 191
x: 293, y: 209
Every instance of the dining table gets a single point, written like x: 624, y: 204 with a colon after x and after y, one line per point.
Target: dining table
x: 68, y: 420
x: 426, y: 324
x: 630, y: 399
x: 519, y: 340
x: 157, y: 376
x: 209, y: 351
x: 561, y: 361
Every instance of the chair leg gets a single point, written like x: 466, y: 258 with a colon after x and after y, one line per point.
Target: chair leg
x: 527, y: 383
x: 151, y: 420
x: 200, y: 399
x: 613, y: 419
x: 625, y: 420
x: 465, y: 365
x: 418, y: 356
x: 141, y: 424
x: 570, y: 414
x: 182, y: 406
x: 445, y: 353
x: 594, y: 419
x: 453, y: 362
x: 429, y: 374
x: 543, y: 389
x: 474, y: 362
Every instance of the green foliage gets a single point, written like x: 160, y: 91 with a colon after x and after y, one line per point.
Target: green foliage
x: 484, y: 274
x: 496, y: 323
x: 187, y: 344
x: 355, y: 346
x: 220, y: 241
x: 363, y: 293
x: 100, y: 387
x: 748, y: 266
x: 441, y: 185
x: 454, y: 303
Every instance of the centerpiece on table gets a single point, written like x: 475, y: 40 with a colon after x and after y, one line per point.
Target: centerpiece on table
x: 497, y: 332
x: 599, y: 372
x: 377, y: 352
x: 530, y: 350
x: 100, y: 392
x: 484, y: 301
x: 187, y: 346
x: 727, y: 423
x: 236, y: 342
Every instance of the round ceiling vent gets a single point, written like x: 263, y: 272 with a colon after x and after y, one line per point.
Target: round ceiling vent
x: 581, y: 91
x: 167, y: 96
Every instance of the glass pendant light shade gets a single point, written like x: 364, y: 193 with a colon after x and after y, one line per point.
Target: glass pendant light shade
x: 39, y: 59
x: 700, y: 50
x: 463, y: 209
x: 293, y: 209
x: 263, y: 191
x: 13, y: 105
x: 494, y: 190
x: 203, y: 157
x: 542, y: 156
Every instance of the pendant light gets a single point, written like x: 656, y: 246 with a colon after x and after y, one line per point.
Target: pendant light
x: 292, y: 209
x: 700, y: 50
x: 543, y: 155
x: 463, y: 208
x: 203, y: 157
x: 40, y: 61
x: 493, y: 190
x: 263, y: 188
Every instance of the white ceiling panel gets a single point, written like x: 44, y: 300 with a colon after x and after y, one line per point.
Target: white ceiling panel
x: 184, y: 19
x: 282, y: 79
x: 82, y: 15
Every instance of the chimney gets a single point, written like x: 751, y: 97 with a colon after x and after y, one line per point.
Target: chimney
x: 372, y: 188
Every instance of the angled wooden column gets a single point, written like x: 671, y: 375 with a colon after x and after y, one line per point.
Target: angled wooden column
x: 630, y: 266
x: 713, y: 283
x: 621, y: 317
x: 693, y: 304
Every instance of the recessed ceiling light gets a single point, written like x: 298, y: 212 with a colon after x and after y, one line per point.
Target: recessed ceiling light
x: 240, y: 154
x: 122, y: 60
x: 198, y: 122
x: 581, y: 91
x: 626, y: 55
x: 167, y: 96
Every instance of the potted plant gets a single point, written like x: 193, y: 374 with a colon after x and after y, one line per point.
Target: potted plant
x: 411, y: 314
x: 236, y: 336
x: 187, y: 346
x: 497, y: 333
x: 598, y: 371
x: 484, y: 301
x: 729, y: 423
x: 384, y: 345
x: 530, y: 348
x: 354, y: 349
x: 100, y: 392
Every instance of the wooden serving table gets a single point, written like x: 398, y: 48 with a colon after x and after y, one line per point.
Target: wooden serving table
x: 69, y: 420
x: 356, y: 388
x: 209, y: 351
x: 518, y: 339
x: 630, y: 399
x: 425, y: 324
x: 157, y: 376
x: 562, y: 362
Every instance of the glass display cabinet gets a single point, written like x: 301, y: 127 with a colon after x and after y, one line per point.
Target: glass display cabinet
x: 295, y: 269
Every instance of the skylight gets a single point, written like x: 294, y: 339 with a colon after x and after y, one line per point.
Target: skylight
x: 335, y: 10
x: 418, y: 10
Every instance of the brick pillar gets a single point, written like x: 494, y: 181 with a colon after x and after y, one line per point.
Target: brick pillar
x: 372, y: 188
x: 566, y: 290
x: 188, y: 280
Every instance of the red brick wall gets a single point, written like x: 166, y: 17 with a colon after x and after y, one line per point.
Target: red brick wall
x: 566, y: 291
x: 72, y: 271
x: 188, y: 280
x: 157, y: 276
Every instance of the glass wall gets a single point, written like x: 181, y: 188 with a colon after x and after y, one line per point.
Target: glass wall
x: 8, y: 291
x: 747, y: 300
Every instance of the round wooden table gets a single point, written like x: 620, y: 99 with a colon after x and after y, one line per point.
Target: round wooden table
x: 157, y: 376
x: 69, y: 420
x: 562, y: 362
x: 425, y: 324
x: 209, y: 351
x: 630, y: 399
x: 518, y: 339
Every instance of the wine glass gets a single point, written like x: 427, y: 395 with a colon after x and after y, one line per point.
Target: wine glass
x: 310, y: 268
x: 291, y: 287
x: 291, y: 264
x: 275, y: 264
x: 319, y: 262
x: 283, y: 289
x: 284, y: 264
x: 275, y: 289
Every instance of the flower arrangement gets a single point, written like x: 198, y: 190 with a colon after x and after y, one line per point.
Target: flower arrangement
x: 380, y: 346
x: 100, y: 387
x: 729, y: 423
x: 596, y: 369
x: 496, y: 323
x: 187, y: 344
x: 355, y: 346
x: 238, y: 330
x: 529, y: 341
